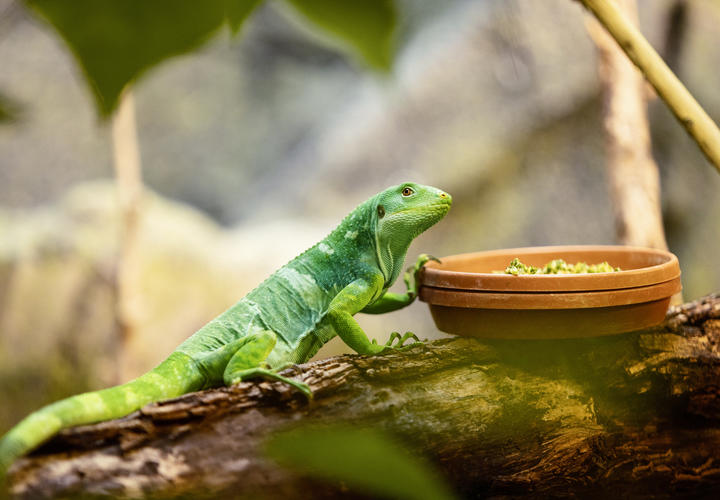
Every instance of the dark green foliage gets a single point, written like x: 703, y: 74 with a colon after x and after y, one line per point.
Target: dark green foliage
x: 363, y: 459
x: 236, y: 12
x: 365, y: 25
x: 116, y: 41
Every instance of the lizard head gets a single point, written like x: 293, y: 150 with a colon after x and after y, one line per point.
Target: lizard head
x: 402, y: 212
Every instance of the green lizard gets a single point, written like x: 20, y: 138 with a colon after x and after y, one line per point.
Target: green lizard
x: 285, y: 320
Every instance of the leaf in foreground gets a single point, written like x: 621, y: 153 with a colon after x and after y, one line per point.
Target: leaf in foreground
x: 366, y: 26
x: 364, y: 459
x: 116, y: 41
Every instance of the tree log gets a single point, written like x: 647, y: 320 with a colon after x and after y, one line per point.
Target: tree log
x: 635, y: 415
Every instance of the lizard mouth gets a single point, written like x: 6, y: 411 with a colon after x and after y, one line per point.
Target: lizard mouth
x: 421, y: 218
x: 433, y: 208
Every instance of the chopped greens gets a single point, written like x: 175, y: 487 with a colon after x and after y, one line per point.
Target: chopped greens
x: 557, y: 266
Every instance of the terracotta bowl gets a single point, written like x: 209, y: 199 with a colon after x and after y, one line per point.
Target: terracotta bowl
x: 467, y: 298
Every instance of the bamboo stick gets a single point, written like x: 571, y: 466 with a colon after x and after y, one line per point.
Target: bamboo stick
x: 683, y: 105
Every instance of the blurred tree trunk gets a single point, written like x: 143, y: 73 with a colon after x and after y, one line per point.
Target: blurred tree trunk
x: 632, y: 172
x: 634, y: 415
x: 130, y: 190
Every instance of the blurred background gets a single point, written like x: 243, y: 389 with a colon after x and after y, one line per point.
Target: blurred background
x: 254, y: 147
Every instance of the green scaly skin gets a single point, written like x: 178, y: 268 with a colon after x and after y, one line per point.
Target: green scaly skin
x: 285, y: 320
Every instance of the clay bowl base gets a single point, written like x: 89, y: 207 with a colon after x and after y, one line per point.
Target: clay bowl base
x: 548, y: 323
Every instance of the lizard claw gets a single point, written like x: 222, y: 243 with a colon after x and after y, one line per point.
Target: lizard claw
x: 410, y: 335
x: 397, y: 341
x: 426, y: 257
x: 393, y: 336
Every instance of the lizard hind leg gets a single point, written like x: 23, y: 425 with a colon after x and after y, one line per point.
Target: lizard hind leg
x: 249, y: 362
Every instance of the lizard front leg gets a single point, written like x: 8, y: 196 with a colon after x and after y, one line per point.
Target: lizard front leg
x: 414, y: 273
x: 393, y: 301
x: 350, y: 300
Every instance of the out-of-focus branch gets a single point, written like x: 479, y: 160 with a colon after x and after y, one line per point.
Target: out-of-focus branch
x: 686, y: 109
x: 632, y: 172
x: 130, y: 189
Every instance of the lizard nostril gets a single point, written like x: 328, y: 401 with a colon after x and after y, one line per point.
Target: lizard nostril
x: 443, y: 195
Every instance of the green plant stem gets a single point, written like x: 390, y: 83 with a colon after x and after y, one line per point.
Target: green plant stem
x: 683, y: 105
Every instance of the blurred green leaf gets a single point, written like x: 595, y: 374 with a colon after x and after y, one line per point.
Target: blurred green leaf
x: 116, y: 41
x: 367, y: 26
x: 364, y: 459
x: 237, y: 11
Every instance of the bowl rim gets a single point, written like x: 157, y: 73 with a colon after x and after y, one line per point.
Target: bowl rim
x: 549, y: 300
x: 669, y: 269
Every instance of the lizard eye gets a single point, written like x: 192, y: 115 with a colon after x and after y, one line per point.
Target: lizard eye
x: 381, y: 211
x: 407, y: 191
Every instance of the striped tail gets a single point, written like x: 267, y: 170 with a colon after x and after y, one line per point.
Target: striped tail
x: 173, y: 377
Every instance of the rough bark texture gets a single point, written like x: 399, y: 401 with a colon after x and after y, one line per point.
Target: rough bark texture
x: 635, y: 415
x: 632, y: 172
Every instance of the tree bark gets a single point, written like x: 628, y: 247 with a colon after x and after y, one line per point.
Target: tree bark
x: 633, y: 415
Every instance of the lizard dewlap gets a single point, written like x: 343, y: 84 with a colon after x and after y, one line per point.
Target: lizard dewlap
x: 557, y: 266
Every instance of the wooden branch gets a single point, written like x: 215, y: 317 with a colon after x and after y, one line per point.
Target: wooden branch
x: 683, y: 105
x: 635, y: 414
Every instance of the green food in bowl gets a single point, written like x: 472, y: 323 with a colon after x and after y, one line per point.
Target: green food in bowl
x: 557, y: 266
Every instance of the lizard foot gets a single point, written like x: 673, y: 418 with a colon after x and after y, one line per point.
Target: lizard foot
x: 397, y: 341
x: 412, y: 273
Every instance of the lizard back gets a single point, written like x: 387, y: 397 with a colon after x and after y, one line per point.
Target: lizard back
x: 293, y: 300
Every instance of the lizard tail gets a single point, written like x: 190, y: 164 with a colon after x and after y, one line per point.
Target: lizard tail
x: 175, y: 376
